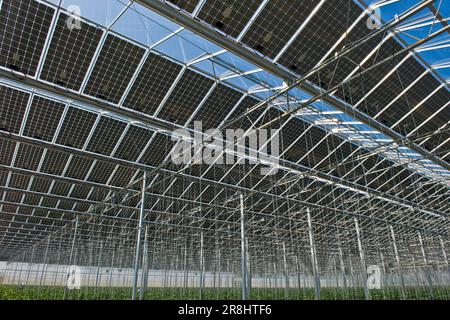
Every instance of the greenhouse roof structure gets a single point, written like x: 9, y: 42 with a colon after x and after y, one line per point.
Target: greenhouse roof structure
x: 93, y: 93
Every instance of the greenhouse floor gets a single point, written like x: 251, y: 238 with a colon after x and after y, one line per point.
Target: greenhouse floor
x: 57, y: 293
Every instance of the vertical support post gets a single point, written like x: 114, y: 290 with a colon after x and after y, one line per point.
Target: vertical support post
x: 363, y: 259
x: 99, y: 264
x: 243, y: 252
x: 144, y: 278
x: 286, y: 273
x: 397, y: 260
x: 201, y: 265
x: 341, y: 262
x: 220, y: 270
x: 139, y: 237
x: 297, y: 266
x: 185, y: 280
x: 30, y: 266
x: 425, y: 260
x: 44, y: 264
x: 313, y: 256
x: 72, y: 249
x: 249, y: 267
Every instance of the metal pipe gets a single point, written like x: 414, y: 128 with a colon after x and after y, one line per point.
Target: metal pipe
x: 139, y: 236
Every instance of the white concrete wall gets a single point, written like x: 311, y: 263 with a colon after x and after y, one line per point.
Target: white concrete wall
x: 56, y: 275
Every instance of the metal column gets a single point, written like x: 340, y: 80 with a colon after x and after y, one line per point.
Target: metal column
x: 286, y: 274
x: 139, y: 236
x: 363, y: 260
x: 201, y: 266
x: 144, y: 277
x: 397, y: 259
x: 313, y: 256
x: 425, y: 259
x: 243, y: 253
x: 71, y: 256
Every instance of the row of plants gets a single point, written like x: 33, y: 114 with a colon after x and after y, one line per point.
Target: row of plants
x: 114, y: 293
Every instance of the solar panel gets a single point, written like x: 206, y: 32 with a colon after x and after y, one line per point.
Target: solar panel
x: 13, y: 104
x: 80, y: 191
x: 101, y: 172
x: 24, y: 26
x: 186, y: 97
x: 106, y: 136
x: 66, y: 205
x: 230, y: 16
x: 43, y: 118
x: 28, y: 157
x: 114, y: 68
x: 217, y: 106
x: 76, y: 128
x: 321, y: 33
x: 61, y: 188
x: 41, y: 185
x: 78, y: 167
x: 54, y: 162
x: 122, y: 176
x: 152, y: 84
x: 276, y: 24
x: 290, y: 132
x: 133, y: 143
x: 70, y: 53
x: 158, y: 149
x: 7, y: 148
x: 248, y: 121
x: 31, y: 199
x: 188, y: 5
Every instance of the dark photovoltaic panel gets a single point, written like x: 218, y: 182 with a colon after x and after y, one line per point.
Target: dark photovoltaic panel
x: 19, y: 181
x: 133, y: 143
x: 152, y: 84
x: 158, y: 149
x: 231, y: 16
x: 80, y: 191
x: 7, y: 148
x: 188, y: 5
x: 24, y: 26
x: 246, y: 122
x: 114, y: 68
x: 276, y: 24
x: 106, y: 136
x: 122, y: 177
x: 43, y: 118
x: 186, y: 97
x: 337, y: 71
x: 60, y: 188
x: 101, y: 172
x: 356, y: 89
x: 40, y: 185
x: 321, y: 33
x: 290, y: 132
x: 217, y: 106
x: 78, y: 168
x: 422, y: 114
x: 70, y: 53
x: 54, y: 162
x: 76, y: 128
x: 28, y: 157
x: 13, y: 104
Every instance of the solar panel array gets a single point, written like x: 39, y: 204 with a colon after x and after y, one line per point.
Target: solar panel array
x: 105, y: 101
